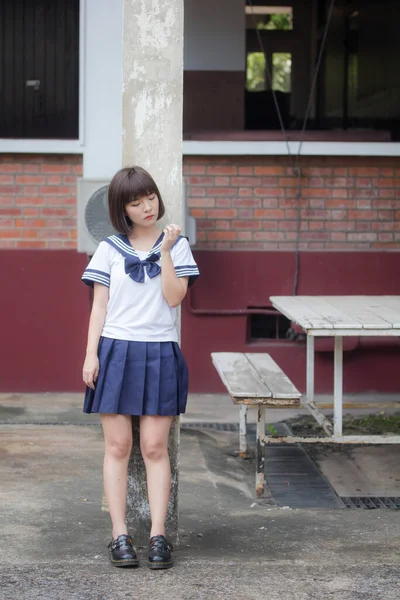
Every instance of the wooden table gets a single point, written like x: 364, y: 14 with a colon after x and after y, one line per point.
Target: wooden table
x: 339, y: 316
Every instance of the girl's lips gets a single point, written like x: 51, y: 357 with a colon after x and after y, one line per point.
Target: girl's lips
x: 149, y: 217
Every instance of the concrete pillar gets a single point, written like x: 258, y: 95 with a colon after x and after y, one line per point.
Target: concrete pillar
x: 152, y: 138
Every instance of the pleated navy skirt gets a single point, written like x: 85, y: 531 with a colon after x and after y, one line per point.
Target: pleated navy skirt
x: 139, y: 378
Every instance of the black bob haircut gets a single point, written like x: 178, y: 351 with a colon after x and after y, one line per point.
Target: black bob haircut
x: 127, y: 185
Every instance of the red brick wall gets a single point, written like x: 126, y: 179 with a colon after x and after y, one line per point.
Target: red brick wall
x: 347, y: 203
x: 38, y: 201
x: 241, y: 203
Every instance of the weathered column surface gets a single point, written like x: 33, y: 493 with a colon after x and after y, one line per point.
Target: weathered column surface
x: 152, y: 138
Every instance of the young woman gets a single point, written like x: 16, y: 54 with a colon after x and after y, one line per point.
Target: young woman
x: 133, y: 363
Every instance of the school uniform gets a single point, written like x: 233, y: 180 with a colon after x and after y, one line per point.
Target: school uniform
x: 142, y: 370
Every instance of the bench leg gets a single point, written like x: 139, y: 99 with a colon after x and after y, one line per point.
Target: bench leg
x: 310, y: 368
x: 243, y: 430
x: 260, y: 453
x: 338, y: 387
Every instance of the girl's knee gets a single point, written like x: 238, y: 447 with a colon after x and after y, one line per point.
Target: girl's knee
x: 119, y: 448
x: 153, y: 450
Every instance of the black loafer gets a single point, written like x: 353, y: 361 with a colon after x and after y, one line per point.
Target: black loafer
x: 122, y: 552
x: 159, y: 553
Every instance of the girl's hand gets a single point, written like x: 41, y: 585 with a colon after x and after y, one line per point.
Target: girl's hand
x: 171, y: 234
x: 91, y: 370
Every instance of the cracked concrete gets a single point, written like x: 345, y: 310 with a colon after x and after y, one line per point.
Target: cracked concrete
x: 54, y: 532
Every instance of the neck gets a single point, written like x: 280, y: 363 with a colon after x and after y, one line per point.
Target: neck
x: 143, y: 233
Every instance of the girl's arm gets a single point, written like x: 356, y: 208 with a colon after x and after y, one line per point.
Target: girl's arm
x: 174, y: 288
x: 96, y: 323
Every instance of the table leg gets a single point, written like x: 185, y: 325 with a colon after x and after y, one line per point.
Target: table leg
x: 260, y: 452
x: 243, y: 430
x: 338, y: 387
x: 310, y: 368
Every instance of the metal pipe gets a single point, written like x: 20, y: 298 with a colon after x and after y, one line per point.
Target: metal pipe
x: 234, y: 312
x: 310, y: 368
x: 338, y: 387
x: 260, y: 454
x: 318, y: 416
x: 344, y: 439
x: 243, y: 431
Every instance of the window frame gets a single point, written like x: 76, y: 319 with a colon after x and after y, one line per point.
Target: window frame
x: 56, y: 145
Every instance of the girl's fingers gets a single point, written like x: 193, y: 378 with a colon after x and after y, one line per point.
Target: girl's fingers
x: 172, y: 228
x: 88, y: 379
x: 171, y: 233
x: 176, y: 230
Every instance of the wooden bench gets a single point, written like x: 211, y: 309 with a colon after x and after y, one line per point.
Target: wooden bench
x: 255, y: 381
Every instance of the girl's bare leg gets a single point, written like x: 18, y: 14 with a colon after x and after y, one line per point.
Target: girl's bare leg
x: 118, y: 444
x: 154, y: 432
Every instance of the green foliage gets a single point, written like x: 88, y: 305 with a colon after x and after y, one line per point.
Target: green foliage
x: 373, y: 424
x: 255, y: 71
x: 281, y: 71
x: 272, y: 430
x: 279, y: 22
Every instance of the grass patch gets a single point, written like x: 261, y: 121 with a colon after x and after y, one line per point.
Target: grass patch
x: 272, y: 430
x: 375, y: 424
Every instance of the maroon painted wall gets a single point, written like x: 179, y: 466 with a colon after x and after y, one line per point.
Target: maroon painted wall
x: 44, y: 311
x: 236, y: 280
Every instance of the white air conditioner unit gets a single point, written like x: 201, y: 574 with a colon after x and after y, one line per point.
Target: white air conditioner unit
x: 189, y: 222
x: 93, y: 218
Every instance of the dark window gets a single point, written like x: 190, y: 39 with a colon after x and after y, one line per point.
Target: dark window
x: 269, y: 42
x: 39, y: 69
x: 358, y: 84
x: 269, y: 324
x: 256, y: 75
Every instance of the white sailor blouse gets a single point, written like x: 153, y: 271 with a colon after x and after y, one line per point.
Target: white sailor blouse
x: 137, y: 309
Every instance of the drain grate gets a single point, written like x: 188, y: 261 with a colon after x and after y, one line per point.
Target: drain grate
x: 217, y: 426
x: 198, y: 425
x: 294, y: 480
x: 371, y: 502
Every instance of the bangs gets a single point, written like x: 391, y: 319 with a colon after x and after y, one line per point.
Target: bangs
x: 137, y: 183
x: 131, y: 183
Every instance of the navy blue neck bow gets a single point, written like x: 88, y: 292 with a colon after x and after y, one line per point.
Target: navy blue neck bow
x: 134, y: 267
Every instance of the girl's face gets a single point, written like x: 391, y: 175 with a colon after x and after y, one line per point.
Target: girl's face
x: 143, y: 212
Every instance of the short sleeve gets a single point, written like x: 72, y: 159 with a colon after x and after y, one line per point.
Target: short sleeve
x: 184, y: 263
x: 98, y: 269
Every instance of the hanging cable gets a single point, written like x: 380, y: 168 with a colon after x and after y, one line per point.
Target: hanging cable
x: 315, y: 78
x: 269, y: 75
x: 295, y: 160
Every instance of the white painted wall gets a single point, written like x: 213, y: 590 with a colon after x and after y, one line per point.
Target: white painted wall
x: 214, y: 35
x: 102, y: 95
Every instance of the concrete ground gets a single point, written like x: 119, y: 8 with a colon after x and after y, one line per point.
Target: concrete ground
x: 54, y: 532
